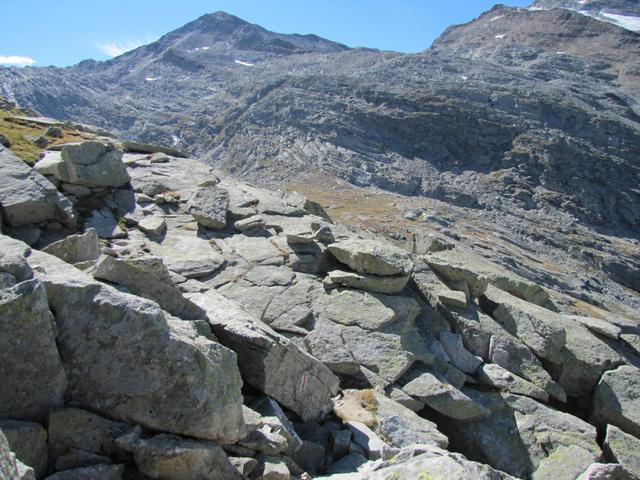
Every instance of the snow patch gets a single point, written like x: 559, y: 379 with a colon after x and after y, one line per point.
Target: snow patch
x: 152, y: 79
x: 501, y: 36
x: 206, y: 48
x: 174, y: 140
x: 625, y: 21
x: 496, y: 18
x: 246, y: 64
x: 464, y: 77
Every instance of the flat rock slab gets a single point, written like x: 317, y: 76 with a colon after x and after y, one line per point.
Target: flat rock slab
x: 622, y: 448
x: 27, y: 197
x: 373, y: 257
x: 125, y: 359
x: 76, y: 248
x: 268, y: 361
x: 374, y: 283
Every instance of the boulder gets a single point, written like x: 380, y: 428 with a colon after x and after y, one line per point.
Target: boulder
x: 105, y: 224
x: 268, y: 361
x: 519, y: 433
x: 76, y: 429
x: 10, y: 467
x: 373, y: 257
x: 273, y: 468
x: 564, y: 463
x: 459, y: 356
x: 92, y: 164
x: 95, y: 472
x: 389, y: 285
x: 170, y: 457
x: 76, y: 248
x: 605, y: 471
x: 456, y: 274
x: 622, y: 448
x: 256, y: 222
x: 29, y: 443
x: 153, y: 225
x: 34, y: 379
x: 209, y: 206
x: 140, y: 277
x: 27, y: 197
x: 601, y: 327
x: 76, y: 458
x: 502, y: 379
x: 125, y: 359
x: 615, y: 400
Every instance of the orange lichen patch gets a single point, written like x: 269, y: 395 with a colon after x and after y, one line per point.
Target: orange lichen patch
x: 357, y: 405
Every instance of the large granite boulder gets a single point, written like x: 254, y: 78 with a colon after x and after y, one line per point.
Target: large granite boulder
x: 209, y: 206
x: 372, y: 256
x: 622, y: 448
x: 125, y: 359
x: 267, y: 360
x: 92, y: 164
x: 615, y: 399
x: 27, y: 197
x: 34, y: 380
x: 28, y: 441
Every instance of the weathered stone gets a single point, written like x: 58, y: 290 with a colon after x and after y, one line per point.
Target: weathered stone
x: 95, y: 472
x: 138, y: 275
x: 518, y: 434
x: 153, y: 225
x: 255, y: 222
x: 54, y: 132
x: 538, y: 328
x: 398, y: 395
x: 444, y: 398
x: 73, y: 428
x: 268, y: 361
x: 10, y: 467
x: 622, y: 448
x: 564, y: 463
x: 372, y: 256
x: 34, y: 380
x: 29, y: 443
x: 502, y: 379
x: 76, y: 248
x: 105, y: 224
x: 347, y: 464
x: 92, y: 164
x: 125, y: 359
x: 273, y: 468
x: 282, y: 425
x: 170, y: 457
x: 456, y: 273
x: 459, y: 356
x: 383, y: 284
x: 27, y: 197
x: 371, y: 443
x: 615, y: 399
x: 75, y: 458
x: 596, y: 325
x: 605, y: 471
x: 209, y: 206
x: 340, y: 441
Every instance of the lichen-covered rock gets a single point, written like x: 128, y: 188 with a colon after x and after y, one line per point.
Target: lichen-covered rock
x: 268, y: 361
x: 126, y: 360
x: 92, y: 164
x: 209, y: 206
x: 29, y: 443
x: 170, y: 457
x: 372, y: 256
x: 33, y: 378
x: 76, y: 248
x: 615, y: 399
x: 622, y: 448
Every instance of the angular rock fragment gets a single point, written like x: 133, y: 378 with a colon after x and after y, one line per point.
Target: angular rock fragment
x: 29, y: 443
x: 209, y: 206
x: 622, y: 448
x: 382, y: 284
x: 92, y: 164
x: 372, y: 257
x: 10, y: 467
x: 126, y: 360
x: 615, y: 400
x: 76, y: 248
x: 95, y: 472
x: 502, y: 379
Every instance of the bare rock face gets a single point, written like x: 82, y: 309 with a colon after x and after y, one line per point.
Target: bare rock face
x: 27, y: 197
x: 268, y: 361
x: 125, y: 359
x: 34, y: 378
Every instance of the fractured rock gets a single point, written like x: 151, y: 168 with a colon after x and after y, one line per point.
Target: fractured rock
x: 95, y: 472
x: 92, y: 164
x: 615, y: 399
x: 502, y: 379
x: 372, y: 257
x: 209, y: 206
x: 382, y: 284
x: 622, y: 448
x: 29, y: 443
x: 76, y: 248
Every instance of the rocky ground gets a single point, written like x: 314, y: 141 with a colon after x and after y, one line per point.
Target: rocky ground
x: 163, y: 320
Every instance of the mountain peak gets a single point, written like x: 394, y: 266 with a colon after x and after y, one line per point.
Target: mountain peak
x: 623, y: 13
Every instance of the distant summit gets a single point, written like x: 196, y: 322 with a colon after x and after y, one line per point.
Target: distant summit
x: 624, y: 13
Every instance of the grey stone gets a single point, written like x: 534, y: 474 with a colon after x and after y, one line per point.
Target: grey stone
x: 92, y: 164
x: 75, y: 458
x: 269, y: 408
x: 347, y: 464
x: 209, y: 206
x: 76, y: 248
x: 622, y: 448
x: 371, y: 443
x: 460, y: 357
x: 273, y: 468
x: 454, y: 271
x: 29, y: 443
x: 382, y: 284
x: 105, y: 224
x: 502, y: 379
x: 596, y: 325
x: 268, y: 361
x: 605, y: 471
x: 153, y: 225
x: 95, y: 472
x: 27, y: 197
x: 139, y: 276
x: 244, y: 465
x: 250, y: 223
x: 171, y: 457
x: 124, y: 358
x: 340, y: 441
x: 564, y: 463
x: 372, y: 257
x: 77, y: 429
x: 34, y: 380
x: 615, y: 399
x: 10, y: 467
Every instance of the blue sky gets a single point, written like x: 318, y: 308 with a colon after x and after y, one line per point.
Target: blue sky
x: 65, y: 32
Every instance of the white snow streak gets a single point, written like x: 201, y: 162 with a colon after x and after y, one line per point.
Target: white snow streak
x: 246, y: 64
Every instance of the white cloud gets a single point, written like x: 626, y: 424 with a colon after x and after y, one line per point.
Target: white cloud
x: 114, y: 49
x: 16, y: 60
